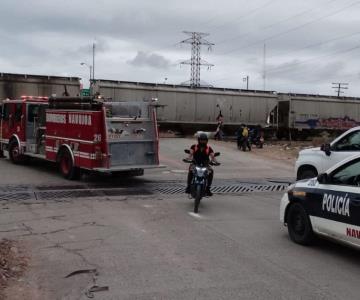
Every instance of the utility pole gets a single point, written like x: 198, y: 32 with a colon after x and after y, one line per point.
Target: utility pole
x: 339, y: 86
x: 93, y: 64
x: 247, y: 81
x: 264, y: 68
x: 196, y: 40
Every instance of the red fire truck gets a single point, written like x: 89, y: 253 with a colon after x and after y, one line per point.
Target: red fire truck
x: 81, y: 133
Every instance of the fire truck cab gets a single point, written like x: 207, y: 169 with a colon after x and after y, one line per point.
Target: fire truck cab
x: 81, y: 133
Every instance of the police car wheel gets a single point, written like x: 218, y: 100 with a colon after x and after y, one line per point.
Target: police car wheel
x: 299, y: 225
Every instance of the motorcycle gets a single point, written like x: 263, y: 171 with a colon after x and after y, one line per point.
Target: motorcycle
x: 199, y: 180
x: 257, y: 139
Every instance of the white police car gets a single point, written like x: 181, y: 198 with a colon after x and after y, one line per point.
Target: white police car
x: 328, y: 205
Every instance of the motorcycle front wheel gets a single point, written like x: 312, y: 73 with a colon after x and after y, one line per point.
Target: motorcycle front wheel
x: 197, y: 198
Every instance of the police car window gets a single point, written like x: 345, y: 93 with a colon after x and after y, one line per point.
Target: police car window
x: 349, y: 175
x: 350, y: 142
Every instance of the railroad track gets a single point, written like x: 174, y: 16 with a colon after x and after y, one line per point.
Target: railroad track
x: 57, y: 192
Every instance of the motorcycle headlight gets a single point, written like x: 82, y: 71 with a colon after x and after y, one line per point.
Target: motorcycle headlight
x: 201, y: 171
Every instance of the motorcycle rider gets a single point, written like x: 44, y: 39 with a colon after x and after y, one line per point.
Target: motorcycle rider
x: 201, y: 153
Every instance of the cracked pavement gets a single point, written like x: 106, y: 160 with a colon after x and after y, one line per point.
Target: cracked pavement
x: 151, y: 247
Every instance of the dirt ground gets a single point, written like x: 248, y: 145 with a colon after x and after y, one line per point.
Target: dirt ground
x: 286, y: 151
x: 283, y: 150
x: 13, y: 264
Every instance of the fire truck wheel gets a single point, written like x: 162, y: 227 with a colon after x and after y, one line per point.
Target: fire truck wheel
x: 14, y: 153
x: 67, y: 168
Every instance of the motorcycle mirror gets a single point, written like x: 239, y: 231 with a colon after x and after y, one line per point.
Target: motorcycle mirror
x: 187, y: 151
x: 217, y: 154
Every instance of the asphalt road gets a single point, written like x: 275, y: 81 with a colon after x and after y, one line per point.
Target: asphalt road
x: 150, y: 246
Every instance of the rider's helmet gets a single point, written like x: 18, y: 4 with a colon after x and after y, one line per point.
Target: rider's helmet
x: 202, y: 139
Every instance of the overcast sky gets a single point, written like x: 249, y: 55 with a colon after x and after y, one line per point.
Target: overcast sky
x: 309, y: 43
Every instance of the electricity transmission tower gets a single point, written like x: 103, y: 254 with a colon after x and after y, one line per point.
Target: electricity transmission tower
x: 196, y: 40
x: 339, y: 87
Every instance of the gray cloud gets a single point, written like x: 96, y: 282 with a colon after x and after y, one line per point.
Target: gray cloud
x: 143, y: 59
x: 53, y: 37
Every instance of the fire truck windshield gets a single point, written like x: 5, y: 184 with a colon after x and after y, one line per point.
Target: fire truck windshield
x: 126, y: 110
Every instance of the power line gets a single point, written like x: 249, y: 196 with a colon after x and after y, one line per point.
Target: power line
x: 294, y: 28
x: 317, y: 44
x: 349, y: 76
x: 307, y: 11
x: 196, y: 40
x: 286, y: 68
x: 246, y: 15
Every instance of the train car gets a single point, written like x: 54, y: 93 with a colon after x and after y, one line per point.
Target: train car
x: 13, y: 86
x: 183, y: 107
x: 301, y: 115
x: 187, y: 109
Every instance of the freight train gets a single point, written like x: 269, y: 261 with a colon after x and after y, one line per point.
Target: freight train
x: 286, y: 115
x: 187, y: 109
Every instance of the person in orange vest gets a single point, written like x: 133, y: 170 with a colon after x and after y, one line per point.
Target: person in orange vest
x: 201, y: 153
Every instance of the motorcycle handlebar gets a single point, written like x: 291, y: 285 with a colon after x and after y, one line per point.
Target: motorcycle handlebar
x: 190, y: 161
